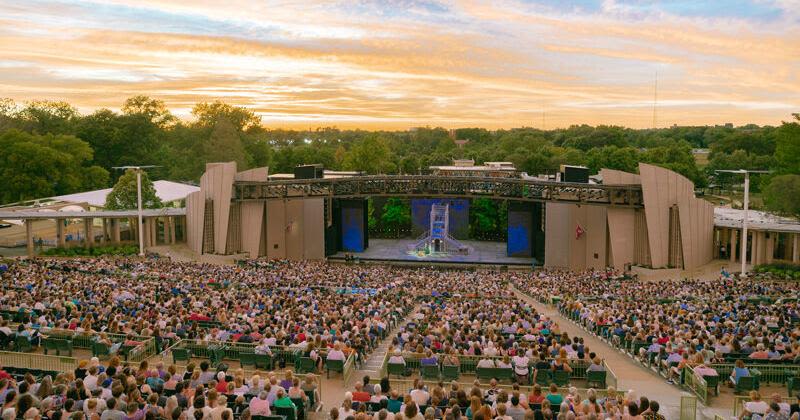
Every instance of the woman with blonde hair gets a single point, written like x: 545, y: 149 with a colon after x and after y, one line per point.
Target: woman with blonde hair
x: 256, y: 386
x: 346, y: 410
x: 170, y: 406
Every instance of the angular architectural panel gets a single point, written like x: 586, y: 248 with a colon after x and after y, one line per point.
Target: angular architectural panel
x: 195, y: 212
x: 621, y: 222
x: 252, y: 214
x: 587, y: 236
x: 662, y: 189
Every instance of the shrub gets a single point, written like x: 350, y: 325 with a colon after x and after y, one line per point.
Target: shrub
x: 118, y: 250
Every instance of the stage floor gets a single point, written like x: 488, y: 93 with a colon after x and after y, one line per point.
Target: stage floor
x: 396, y: 250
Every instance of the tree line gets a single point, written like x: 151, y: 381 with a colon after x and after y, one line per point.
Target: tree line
x: 49, y: 148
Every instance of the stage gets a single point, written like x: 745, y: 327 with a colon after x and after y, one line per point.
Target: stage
x: 397, y: 250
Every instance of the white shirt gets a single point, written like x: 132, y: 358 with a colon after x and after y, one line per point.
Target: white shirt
x: 420, y: 396
x: 345, y: 413
x: 486, y: 363
x: 90, y: 382
x: 521, y: 365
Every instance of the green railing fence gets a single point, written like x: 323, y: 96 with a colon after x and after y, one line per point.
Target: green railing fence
x: 38, y: 361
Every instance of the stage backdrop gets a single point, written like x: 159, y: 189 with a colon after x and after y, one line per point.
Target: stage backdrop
x: 525, y: 236
x: 459, y: 216
x: 353, y: 236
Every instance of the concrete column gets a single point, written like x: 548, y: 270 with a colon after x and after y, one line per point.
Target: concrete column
x: 762, y: 242
x: 115, y: 236
x: 133, y: 228
x: 154, y: 231
x: 769, y: 248
x: 105, y: 231
x: 179, y: 224
x: 172, y: 226
x: 734, y: 244
x: 795, y: 249
x: 723, y: 240
x: 754, y: 247
x: 146, y: 232
x: 60, y: 237
x: 717, y: 241
x: 29, y: 236
x: 165, y: 233
x: 87, y: 231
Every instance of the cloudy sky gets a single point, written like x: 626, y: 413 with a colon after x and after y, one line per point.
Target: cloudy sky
x: 404, y: 63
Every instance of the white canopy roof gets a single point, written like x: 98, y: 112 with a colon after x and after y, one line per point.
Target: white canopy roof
x: 167, y: 191
x: 757, y: 220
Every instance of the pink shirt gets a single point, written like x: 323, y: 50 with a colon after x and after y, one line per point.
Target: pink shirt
x: 705, y: 371
x: 259, y: 407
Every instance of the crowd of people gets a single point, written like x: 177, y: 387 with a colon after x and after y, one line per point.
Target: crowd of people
x: 334, y: 310
x: 684, y: 323
x: 454, y: 401
x: 282, y: 304
x: 118, y: 391
x: 501, y: 332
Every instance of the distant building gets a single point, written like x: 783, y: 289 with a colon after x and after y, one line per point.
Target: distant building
x: 467, y: 167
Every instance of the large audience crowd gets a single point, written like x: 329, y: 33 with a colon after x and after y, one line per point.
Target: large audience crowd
x: 333, y: 310
x: 692, y: 322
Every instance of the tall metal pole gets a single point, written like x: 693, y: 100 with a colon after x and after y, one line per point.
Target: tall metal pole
x: 744, y: 221
x: 139, y: 204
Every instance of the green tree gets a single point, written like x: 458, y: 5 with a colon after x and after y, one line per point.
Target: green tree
x: 484, y: 218
x: 396, y: 215
x: 154, y: 110
x: 613, y: 157
x: 787, y: 150
x: 370, y: 155
x: 782, y: 195
x: 225, y: 145
x: 120, y: 140
x: 48, y: 117
x: 37, y: 166
x: 676, y: 156
x: 124, y: 195
x: 208, y: 114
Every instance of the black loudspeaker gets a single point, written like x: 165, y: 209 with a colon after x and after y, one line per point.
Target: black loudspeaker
x: 574, y: 174
x: 309, y: 171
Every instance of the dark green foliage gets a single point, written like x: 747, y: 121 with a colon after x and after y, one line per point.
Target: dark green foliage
x: 146, y: 133
x: 780, y: 270
x: 121, y: 250
x: 37, y: 166
x: 782, y: 195
x: 396, y: 217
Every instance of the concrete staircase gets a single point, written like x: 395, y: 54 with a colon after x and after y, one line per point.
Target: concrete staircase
x: 373, y: 364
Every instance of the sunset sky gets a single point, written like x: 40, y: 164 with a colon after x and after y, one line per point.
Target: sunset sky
x: 400, y: 64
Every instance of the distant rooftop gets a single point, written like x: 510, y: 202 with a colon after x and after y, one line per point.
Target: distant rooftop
x: 327, y: 174
x: 468, y: 165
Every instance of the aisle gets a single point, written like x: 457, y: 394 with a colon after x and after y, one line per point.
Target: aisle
x: 630, y: 374
x: 334, y: 390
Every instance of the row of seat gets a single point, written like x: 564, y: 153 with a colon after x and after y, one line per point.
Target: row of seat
x: 302, y: 365
x: 543, y: 377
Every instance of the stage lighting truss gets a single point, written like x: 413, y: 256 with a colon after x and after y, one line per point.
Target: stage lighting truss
x: 439, y: 186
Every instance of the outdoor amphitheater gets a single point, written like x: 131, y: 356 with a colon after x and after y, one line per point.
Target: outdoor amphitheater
x: 266, y: 298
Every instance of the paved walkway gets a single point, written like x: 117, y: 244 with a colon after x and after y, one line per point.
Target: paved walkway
x: 630, y: 374
x: 335, y: 389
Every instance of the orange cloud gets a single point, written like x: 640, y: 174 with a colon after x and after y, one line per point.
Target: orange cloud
x: 493, y: 65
